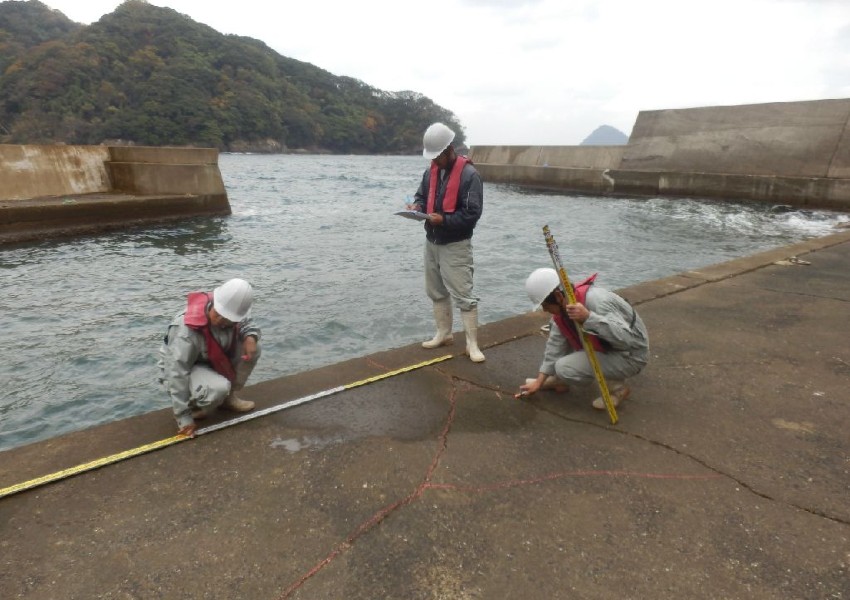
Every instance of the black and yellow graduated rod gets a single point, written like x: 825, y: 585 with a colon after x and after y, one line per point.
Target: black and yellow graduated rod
x: 588, y: 347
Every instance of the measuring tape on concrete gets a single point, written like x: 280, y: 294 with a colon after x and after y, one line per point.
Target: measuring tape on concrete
x: 114, y: 458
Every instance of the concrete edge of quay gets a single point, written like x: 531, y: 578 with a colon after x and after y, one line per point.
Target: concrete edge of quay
x: 66, y: 451
x: 57, y: 191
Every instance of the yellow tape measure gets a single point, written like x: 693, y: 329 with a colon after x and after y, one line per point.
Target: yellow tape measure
x: 89, y: 466
x: 114, y: 458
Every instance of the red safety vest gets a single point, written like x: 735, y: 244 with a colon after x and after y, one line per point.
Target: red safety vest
x: 196, y: 318
x: 568, y: 328
x: 450, y: 199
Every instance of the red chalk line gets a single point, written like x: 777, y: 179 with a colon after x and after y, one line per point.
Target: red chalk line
x: 426, y: 484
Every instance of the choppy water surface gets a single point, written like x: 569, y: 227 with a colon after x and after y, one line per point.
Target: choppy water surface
x: 336, y: 275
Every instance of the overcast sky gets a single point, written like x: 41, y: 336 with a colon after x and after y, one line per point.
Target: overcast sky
x: 550, y: 71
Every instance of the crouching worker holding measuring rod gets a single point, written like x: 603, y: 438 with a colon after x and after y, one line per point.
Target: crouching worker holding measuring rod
x: 610, y: 325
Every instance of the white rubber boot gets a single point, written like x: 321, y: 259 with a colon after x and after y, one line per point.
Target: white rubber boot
x: 443, y: 318
x: 470, y: 326
x: 237, y: 404
x: 617, y: 390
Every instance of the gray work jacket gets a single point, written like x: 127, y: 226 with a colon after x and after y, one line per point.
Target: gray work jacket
x: 612, y: 319
x: 183, y: 348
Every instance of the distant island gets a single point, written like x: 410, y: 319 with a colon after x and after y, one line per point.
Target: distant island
x: 605, y: 135
x: 151, y: 76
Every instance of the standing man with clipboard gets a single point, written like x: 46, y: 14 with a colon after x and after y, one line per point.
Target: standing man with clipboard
x: 452, y: 195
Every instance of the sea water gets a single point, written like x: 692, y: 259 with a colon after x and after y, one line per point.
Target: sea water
x: 336, y: 275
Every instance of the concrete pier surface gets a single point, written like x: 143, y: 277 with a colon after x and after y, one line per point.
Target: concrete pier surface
x: 727, y: 476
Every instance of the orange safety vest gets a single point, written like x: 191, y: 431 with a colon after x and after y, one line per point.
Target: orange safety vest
x: 196, y: 318
x: 450, y: 199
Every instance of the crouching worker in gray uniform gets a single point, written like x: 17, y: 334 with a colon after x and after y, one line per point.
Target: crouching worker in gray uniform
x: 209, y: 352
x: 614, y: 328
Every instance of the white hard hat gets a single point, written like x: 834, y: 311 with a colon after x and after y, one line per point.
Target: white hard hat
x: 232, y: 300
x: 540, y: 284
x: 436, y: 139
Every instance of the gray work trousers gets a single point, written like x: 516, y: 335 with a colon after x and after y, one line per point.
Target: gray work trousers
x: 575, y: 367
x: 448, y: 272
x: 208, y: 389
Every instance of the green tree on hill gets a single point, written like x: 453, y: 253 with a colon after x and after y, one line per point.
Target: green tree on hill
x: 149, y: 75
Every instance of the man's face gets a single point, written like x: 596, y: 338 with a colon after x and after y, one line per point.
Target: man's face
x: 218, y: 321
x: 552, y: 303
x: 443, y: 158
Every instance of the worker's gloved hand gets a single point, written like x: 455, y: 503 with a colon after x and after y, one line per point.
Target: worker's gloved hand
x: 527, y: 389
x: 188, y: 431
x: 577, y: 312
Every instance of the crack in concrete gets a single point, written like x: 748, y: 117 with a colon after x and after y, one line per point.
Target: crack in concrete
x: 660, y: 444
x: 461, y: 385
x: 701, y: 462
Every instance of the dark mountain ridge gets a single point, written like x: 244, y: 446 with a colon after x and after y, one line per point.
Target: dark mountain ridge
x: 149, y: 75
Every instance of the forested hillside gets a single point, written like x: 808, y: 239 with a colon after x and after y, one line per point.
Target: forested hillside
x: 149, y: 75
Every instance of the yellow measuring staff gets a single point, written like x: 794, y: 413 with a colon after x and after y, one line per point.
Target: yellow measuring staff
x: 588, y: 347
x: 114, y: 458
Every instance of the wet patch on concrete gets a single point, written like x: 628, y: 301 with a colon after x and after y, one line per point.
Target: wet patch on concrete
x: 803, y: 427
x: 307, y: 442
x: 405, y: 408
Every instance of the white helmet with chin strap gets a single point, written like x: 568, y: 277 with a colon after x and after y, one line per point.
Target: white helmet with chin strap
x: 233, y: 299
x: 436, y: 139
x: 540, y: 284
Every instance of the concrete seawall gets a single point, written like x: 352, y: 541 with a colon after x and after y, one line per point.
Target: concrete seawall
x: 64, y: 190
x: 788, y: 153
x: 725, y: 477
